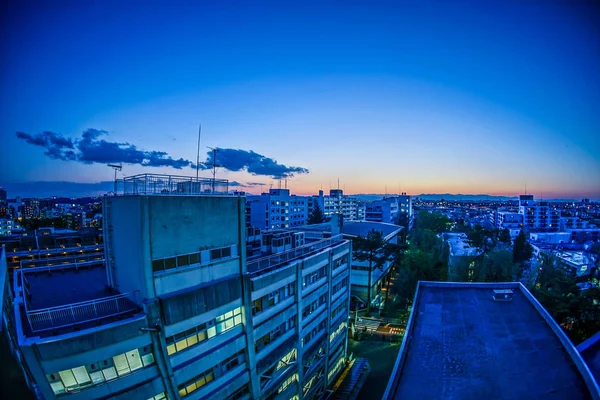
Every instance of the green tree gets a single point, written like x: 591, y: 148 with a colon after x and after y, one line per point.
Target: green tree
x: 374, y: 249
x: 316, y: 216
x: 496, y: 266
x: 522, y: 250
x: 434, y: 222
x: 504, y: 236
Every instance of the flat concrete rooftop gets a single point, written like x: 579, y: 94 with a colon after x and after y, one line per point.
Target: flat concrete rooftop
x: 464, y: 345
x: 67, y: 286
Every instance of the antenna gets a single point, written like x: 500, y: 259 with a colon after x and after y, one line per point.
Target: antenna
x: 525, y: 187
x: 214, y: 150
x: 116, y: 168
x: 338, y: 183
x: 286, y: 183
x: 198, y: 153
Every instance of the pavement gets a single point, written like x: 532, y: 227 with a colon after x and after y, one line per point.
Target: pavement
x: 382, y: 357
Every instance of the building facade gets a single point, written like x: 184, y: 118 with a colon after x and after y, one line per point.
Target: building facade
x: 182, y: 313
x: 336, y: 203
x: 277, y: 210
x: 538, y: 215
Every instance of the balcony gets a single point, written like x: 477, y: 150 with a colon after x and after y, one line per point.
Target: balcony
x: 270, y: 263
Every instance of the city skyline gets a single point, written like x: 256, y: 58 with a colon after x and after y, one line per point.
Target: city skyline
x: 383, y: 96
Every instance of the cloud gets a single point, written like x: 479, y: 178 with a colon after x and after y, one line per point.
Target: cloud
x: 255, y: 184
x: 236, y: 184
x: 249, y: 161
x: 91, y: 148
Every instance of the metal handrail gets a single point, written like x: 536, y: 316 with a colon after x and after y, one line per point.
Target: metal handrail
x: 85, y: 311
x: 149, y: 184
x: 280, y: 258
x: 67, y: 262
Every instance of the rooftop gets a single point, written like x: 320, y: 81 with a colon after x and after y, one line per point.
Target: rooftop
x: 173, y: 185
x: 461, y: 344
x: 64, y: 298
x: 590, y: 351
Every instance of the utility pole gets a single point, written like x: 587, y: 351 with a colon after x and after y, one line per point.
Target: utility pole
x: 198, y: 153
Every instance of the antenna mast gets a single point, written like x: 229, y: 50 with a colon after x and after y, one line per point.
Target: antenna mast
x: 198, y: 153
x: 116, y: 167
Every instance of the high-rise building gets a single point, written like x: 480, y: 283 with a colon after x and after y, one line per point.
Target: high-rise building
x: 2, y: 196
x: 180, y: 312
x: 277, y: 210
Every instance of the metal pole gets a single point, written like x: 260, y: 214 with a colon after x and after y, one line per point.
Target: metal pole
x: 198, y: 153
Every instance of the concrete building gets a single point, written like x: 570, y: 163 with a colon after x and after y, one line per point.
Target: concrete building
x: 6, y: 226
x: 538, y: 215
x: 384, y: 210
x: 277, y: 209
x: 550, y: 237
x: 52, y: 246
x: 486, y: 341
x: 336, y: 203
x: 2, y: 195
x: 180, y: 312
x: 460, y: 255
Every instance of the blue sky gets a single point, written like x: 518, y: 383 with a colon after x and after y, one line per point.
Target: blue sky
x: 459, y: 97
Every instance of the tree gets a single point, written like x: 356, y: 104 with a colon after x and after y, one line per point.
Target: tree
x: 496, y: 266
x: 504, y: 236
x: 435, y: 222
x: 316, y: 216
x: 522, y: 250
x: 374, y: 249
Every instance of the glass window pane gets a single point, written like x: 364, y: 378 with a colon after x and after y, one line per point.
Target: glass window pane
x: 191, y: 387
x: 68, y: 378
x: 238, y: 320
x: 182, y: 261
x: 81, y: 375
x: 57, y: 387
x: 210, y: 377
x: 182, y: 392
x: 192, y: 340
x: 201, y: 336
x: 97, y: 377
x: 201, y: 382
x: 194, y: 258
x: 181, y: 345
x: 121, y: 364
x: 158, y: 265
x: 211, y: 332
x: 148, y: 359
x: 171, y: 349
x: 170, y: 263
x: 109, y: 373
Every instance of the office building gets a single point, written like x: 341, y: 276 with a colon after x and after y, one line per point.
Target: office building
x: 538, y: 215
x: 179, y: 311
x: 2, y: 196
x: 486, y: 341
x: 336, y: 203
x: 277, y: 210
x: 384, y: 210
x: 405, y: 211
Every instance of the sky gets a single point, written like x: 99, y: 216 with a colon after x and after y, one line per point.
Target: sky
x: 387, y: 97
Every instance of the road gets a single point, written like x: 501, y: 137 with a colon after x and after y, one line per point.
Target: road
x: 382, y: 357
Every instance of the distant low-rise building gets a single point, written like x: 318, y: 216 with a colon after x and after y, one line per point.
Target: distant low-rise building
x: 6, y: 226
x: 336, y: 203
x: 277, y: 209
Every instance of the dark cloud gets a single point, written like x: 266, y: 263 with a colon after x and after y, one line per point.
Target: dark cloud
x: 254, y: 163
x: 255, y: 184
x: 236, y: 184
x: 91, y: 148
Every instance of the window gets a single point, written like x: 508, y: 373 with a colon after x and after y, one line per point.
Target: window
x: 160, y: 396
x: 202, y: 332
x: 217, y: 254
x: 78, y: 378
x: 288, y: 382
x: 238, y: 394
x: 196, y: 383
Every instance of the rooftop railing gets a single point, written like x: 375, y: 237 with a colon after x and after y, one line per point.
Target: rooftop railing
x: 62, y: 262
x: 78, y: 313
x: 156, y: 184
x: 271, y: 262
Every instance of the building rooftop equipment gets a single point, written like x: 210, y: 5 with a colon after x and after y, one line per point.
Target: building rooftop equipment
x: 461, y: 344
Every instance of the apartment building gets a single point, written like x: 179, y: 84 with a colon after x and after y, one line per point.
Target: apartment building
x: 178, y: 311
x: 276, y: 210
x: 538, y: 214
x: 384, y: 210
x: 336, y: 203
